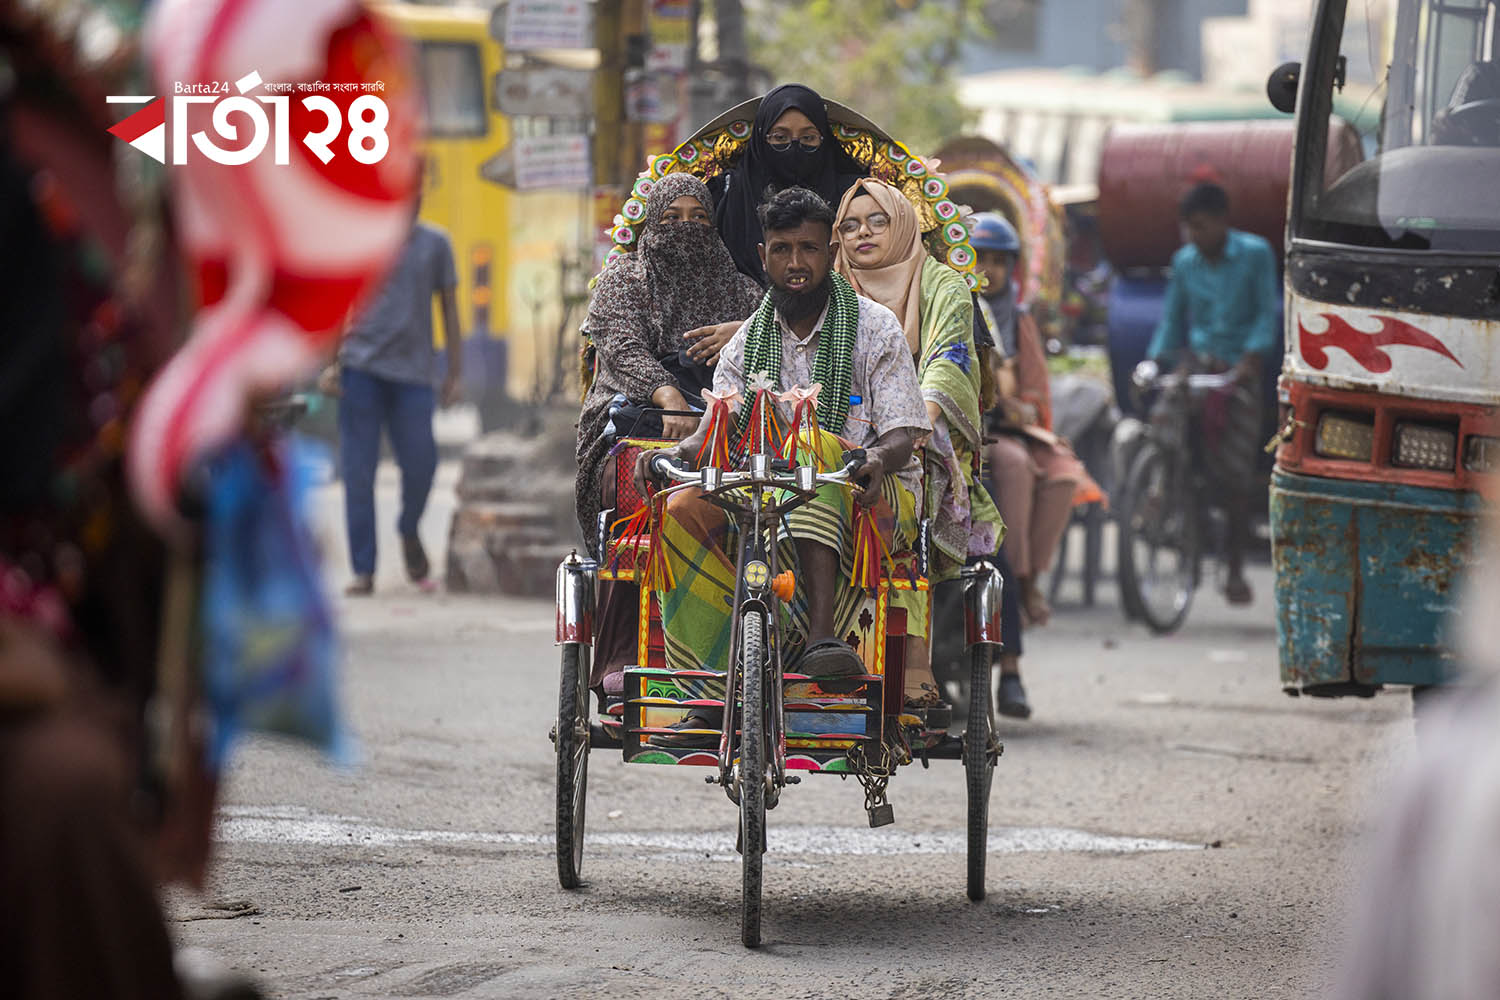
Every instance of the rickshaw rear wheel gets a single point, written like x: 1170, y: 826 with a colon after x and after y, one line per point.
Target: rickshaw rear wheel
x: 752, y: 773
x: 979, y: 765
x: 572, y: 746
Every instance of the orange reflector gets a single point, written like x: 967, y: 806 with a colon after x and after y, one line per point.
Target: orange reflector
x: 784, y: 585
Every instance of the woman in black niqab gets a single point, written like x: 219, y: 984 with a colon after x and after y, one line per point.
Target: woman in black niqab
x: 762, y: 171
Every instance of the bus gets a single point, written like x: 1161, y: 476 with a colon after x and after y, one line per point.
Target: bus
x: 1391, y: 376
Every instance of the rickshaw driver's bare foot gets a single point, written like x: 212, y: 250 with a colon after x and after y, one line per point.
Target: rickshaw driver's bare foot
x: 825, y: 655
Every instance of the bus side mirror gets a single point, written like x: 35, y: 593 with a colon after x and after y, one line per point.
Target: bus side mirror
x: 1281, y: 87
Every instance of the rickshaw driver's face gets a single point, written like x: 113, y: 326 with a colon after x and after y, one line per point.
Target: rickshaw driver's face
x: 686, y: 209
x: 798, y: 260
x: 864, y: 232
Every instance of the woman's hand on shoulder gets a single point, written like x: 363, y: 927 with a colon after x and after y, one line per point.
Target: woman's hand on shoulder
x: 705, y: 343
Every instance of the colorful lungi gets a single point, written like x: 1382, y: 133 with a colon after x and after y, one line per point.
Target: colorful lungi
x: 698, y: 537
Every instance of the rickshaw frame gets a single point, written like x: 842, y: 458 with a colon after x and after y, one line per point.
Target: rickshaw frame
x: 575, y: 735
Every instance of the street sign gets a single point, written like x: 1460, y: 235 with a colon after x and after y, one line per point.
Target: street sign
x: 548, y: 24
x: 547, y: 91
x: 538, y: 162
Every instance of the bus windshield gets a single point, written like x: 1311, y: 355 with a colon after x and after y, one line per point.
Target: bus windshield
x: 1422, y: 79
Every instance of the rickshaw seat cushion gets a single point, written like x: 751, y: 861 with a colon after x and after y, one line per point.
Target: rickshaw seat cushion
x: 628, y: 499
x: 904, y: 566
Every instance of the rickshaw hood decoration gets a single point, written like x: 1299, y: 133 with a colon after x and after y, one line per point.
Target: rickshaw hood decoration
x: 719, y: 144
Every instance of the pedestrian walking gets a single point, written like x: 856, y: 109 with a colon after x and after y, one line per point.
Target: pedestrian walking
x: 384, y: 378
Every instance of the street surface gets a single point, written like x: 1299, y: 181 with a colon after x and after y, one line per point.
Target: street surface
x: 1168, y: 824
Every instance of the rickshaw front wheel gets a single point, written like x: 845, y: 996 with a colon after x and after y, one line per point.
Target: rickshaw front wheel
x: 979, y: 765
x: 572, y: 743
x: 752, y: 773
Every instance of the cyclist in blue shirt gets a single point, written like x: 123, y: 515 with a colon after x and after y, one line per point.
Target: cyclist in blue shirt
x: 1221, y: 316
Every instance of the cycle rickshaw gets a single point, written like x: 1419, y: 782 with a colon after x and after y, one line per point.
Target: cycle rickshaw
x: 778, y: 724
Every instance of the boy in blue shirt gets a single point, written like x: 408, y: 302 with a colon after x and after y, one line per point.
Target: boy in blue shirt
x: 1221, y: 316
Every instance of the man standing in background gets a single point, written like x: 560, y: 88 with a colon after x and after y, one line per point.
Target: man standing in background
x: 385, y: 379
x: 1221, y: 316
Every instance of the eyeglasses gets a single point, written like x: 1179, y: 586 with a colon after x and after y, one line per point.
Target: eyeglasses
x: 782, y: 141
x: 876, y: 222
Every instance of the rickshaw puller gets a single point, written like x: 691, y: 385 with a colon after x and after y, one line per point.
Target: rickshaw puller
x: 812, y: 327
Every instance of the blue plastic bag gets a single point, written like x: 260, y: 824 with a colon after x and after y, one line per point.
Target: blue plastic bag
x: 270, y: 648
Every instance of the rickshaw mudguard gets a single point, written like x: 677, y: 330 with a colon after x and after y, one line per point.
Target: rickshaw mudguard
x: 983, y: 586
x: 576, y: 578
x: 1366, y: 576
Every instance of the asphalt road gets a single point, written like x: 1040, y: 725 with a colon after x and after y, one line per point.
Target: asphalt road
x: 1169, y: 824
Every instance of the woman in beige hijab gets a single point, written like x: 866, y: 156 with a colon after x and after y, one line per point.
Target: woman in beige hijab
x: 880, y: 252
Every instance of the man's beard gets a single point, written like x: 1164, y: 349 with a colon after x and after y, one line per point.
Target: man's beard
x: 793, y: 306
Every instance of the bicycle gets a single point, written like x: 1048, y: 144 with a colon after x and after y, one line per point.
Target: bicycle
x: 1163, y: 517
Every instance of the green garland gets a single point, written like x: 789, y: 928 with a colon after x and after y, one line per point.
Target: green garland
x: 832, y: 367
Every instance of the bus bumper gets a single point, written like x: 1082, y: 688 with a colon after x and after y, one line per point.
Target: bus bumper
x: 1366, y: 575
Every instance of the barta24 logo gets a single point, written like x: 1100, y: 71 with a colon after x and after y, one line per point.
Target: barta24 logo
x: 267, y: 116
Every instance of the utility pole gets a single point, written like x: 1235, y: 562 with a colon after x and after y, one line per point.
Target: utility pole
x: 734, y: 51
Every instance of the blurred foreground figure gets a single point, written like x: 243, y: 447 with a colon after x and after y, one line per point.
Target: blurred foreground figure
x: 1428, y: 916
x: 116, y: 608
x: 81, y: 578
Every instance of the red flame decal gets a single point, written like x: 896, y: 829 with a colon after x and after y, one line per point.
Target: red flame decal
x: 1366, y: 348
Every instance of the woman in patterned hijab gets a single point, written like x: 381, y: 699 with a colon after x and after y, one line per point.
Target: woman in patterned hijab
x: 680, y: 278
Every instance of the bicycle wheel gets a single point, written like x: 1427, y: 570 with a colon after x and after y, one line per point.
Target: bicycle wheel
x: 752, y: 773
x: 572, y: 745
x: 1158, y: 541
x: 979, y: 766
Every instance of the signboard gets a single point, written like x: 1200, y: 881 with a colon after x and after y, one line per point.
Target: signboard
x: 547, y: 24
x: 533, y: 163
x: 553, y: 161
x: 671, y: 30
x: 546, y: 91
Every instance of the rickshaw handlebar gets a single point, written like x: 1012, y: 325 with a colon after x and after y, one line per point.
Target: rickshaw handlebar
x: 763, y: 471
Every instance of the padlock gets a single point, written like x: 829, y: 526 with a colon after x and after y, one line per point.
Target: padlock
x: 881, y: 815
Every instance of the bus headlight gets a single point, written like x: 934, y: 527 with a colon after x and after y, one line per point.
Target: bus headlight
x: 1482, y: 454
x: 1345, y: 435
x: 1423, y: 446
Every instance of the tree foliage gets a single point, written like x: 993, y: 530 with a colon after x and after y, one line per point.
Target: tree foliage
x: 894, y: 61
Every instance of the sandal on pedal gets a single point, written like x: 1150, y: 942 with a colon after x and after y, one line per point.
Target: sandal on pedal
x: 930, y: 707
x: 689, y: 740
x: 830, y: 658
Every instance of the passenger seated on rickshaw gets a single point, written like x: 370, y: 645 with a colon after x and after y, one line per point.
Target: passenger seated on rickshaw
x: 679, y: 279
x: 882, y: 255
x: 811, y: 328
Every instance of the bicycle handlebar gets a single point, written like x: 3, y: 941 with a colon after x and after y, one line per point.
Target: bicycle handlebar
x: 663, y: 468
x: 1148, y: 376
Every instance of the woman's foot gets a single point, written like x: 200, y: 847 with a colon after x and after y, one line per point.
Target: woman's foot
x: 1010, y: 700
x: 363, y: 585
x: 1237, y: 591
x: 1033, y: 604
x: 928, y: 705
